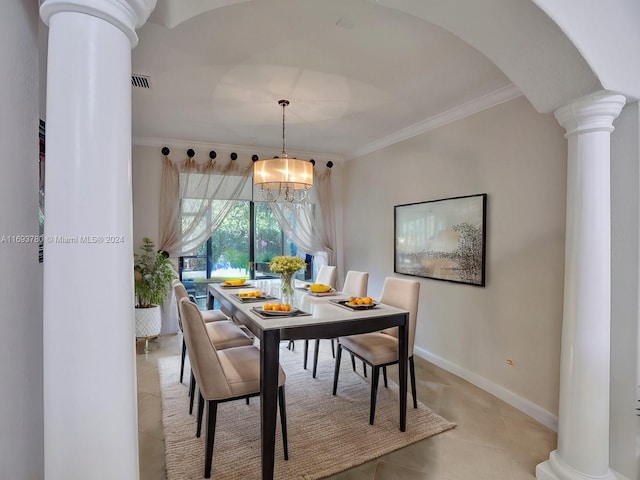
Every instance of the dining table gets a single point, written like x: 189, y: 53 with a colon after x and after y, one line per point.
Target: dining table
x: 311, y: 317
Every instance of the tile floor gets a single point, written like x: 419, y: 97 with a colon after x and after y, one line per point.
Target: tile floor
x: 493, y: 441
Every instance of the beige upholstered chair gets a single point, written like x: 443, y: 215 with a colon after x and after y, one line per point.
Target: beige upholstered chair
x: 207, y: 315
x: 224, y: 333
x: 326, y: 275
x: 380, y: 349
x: 355, y: 285
x: 223, y: 375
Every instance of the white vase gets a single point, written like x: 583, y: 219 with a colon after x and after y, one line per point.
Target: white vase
x: 148, y: 324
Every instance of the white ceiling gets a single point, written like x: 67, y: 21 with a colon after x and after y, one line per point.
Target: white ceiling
x: 354, y: 72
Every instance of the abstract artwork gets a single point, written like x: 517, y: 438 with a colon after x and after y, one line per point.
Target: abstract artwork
x: 442, y: 239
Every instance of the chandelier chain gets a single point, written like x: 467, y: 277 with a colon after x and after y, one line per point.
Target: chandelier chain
x: 284, y: 103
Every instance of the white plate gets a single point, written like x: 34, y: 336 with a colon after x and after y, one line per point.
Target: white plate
x: 345, y: 304
x: 322, y: 294
x: 277, y: 313
x: 244, y: 285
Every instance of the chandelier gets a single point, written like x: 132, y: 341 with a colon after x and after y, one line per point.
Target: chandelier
x: 289, y: 178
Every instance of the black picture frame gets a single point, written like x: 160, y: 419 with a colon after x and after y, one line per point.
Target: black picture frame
x: 442, y: 239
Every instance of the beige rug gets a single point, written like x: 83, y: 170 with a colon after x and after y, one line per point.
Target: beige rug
x: 327, y: 434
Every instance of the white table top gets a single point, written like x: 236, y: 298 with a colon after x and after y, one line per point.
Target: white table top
x: 321, y: 310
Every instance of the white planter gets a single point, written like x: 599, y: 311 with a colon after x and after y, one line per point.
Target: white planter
x: 148, y: 324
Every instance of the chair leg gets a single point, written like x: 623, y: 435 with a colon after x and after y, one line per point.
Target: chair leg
x: 333, y: 348
x: 192, y: 390
x: 315, y: 358
x: 283, y: 421
x: 412, y: 372
x: 306, y: 352
x: 375, y: 375
x: 353, y: 361
x: 337, y: 369
x: 212, y: 413
x: 384, y: 374
x: 291, y: 345
x: 184, y: 353
x: 200, y: 411
x: 247, y: 400
x: 364, y: 367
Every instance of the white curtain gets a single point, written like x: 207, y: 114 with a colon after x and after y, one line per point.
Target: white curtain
x: 311, y: 225
x: 188, y: 213
x: 195, y: 199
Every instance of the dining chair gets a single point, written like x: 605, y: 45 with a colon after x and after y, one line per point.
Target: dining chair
x: 380, y: 349
x: 222, y: 376
x: 222, y: 331
x: 326, y: 276
x: 180, y: 292
x: 355, y: 285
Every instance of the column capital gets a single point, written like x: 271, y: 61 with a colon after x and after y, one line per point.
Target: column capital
x: 127, y: 15
x: 595, y: 112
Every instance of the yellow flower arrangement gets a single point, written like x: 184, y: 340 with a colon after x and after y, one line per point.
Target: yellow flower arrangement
x: 286, y: 264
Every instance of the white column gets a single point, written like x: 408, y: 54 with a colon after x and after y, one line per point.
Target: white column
x: 90, y: 410
x: 583, y: 424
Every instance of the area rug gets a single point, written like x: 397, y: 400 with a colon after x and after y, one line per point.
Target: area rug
x: 327, y: 434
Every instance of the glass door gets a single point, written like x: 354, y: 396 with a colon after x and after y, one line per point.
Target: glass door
x: 241, y: 247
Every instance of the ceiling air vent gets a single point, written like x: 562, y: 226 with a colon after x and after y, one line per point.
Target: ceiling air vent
x: 141, y: 81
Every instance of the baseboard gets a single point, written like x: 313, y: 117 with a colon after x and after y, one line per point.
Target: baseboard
x: 526, y: 406
x: 619, y: 476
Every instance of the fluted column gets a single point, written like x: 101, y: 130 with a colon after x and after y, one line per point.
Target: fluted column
x: 583, y: 423
x: 90, y: 411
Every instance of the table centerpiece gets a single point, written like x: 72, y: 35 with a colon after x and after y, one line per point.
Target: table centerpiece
x: 286, y: 266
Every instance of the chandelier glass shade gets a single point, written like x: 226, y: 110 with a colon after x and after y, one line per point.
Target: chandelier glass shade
x: 289, y: 178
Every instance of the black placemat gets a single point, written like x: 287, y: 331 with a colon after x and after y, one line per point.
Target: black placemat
x: 355, y: 308
x: 262, y: 298
x: 266, y: 314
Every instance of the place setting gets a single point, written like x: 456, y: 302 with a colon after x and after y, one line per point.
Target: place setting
x: 355, y: 303
x: 251, y: 296
x: 239, y: 283
x: 271, y: 310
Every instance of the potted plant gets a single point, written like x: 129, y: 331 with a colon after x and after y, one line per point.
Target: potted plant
x: 153, y: 274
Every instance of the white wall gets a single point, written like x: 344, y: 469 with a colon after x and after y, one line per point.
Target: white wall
x: 21, y: 410
x: 146, y: 175
x: 518, y: 157
x: 625, y: 239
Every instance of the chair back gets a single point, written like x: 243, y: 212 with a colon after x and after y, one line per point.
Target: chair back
x: 404, y: 294
x: 202, y: 354
x: 180, y: 293
x: 355, y: 283
x: 326, y: 275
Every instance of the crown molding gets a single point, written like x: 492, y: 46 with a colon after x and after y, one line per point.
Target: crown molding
x: 467, y: 109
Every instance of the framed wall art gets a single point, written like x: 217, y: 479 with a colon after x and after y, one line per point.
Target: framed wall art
x: 442, y: 239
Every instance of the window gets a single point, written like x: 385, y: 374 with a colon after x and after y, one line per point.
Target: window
x: 242, y: 246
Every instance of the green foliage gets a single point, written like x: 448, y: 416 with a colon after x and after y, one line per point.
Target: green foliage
x: 230, y: 242
x: 232, y: 234
x: 153, y: 274
x: 236, y: 258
